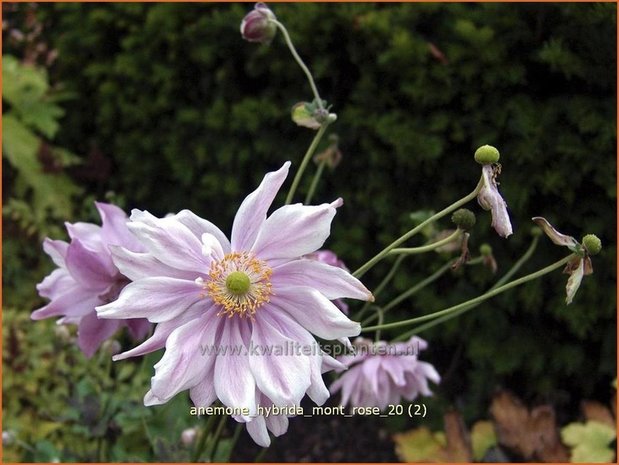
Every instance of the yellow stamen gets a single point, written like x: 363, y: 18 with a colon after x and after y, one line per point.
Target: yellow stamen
x: 236, y: 299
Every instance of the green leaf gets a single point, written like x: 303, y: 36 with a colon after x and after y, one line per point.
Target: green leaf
x: 589, y: 441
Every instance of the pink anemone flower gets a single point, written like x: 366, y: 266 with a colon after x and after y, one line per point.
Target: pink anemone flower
x: 382, y: 374
x: 238, y: 318
x: 86, y: 277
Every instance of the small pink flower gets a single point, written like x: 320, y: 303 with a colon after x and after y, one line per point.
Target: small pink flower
x: 86, y: 277
x: 225, y: 308
x: 382, y: 374
x: 257, y: 25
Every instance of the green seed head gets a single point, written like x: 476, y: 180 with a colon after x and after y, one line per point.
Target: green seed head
x: 238, y: 283
x: 592, y: 243
x: 464, y: 219
x: 486, y: 155
x: 485, y: 250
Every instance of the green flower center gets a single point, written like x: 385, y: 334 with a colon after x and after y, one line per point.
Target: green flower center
x: 238, y: 283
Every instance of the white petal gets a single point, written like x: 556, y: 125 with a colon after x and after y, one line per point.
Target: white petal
x: 332, y: 282
x: 234, y: 382
x: 199, y: 226
x: 314, y: 312
x: 136, y: 265
x: 283, y: 377
x: 169, y: 241
x: 257, y: 429
x: 253, y: 211
x: 294, y: 230
x: 158, y: 299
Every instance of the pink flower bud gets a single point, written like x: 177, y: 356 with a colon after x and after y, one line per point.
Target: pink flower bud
x: 257, y: 25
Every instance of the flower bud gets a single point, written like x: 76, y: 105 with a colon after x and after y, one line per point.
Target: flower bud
x: 112, y: 347
x: 464, y: 219
x: 257, y: 25
x: 486, y: 155
x: 188, y: 436
x: 592, y: 243
x: 485, y: 250
x: 8, y: 438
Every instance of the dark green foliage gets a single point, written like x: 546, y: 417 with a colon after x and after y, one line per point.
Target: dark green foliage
x: 191, y: 116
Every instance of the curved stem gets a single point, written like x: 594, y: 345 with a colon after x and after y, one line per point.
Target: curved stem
x: 514, y: 269
x: 416, y: 288
x: 382, y: 285
x: 197, y: 452
x: 314, y: 184
x: 381, y: 314
x: 298, y: 59
x: 476, y: 300
x: 454, y: 206
x: 306, y: 159
x: 212, y: 444
x: 428, y: 247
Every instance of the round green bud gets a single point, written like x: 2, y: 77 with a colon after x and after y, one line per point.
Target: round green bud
x: 535, y: 231
x: 463, y: 218
x: 486, y: 155
x: 485, y: 250
x: 238, y: 282
x: 592, y: 243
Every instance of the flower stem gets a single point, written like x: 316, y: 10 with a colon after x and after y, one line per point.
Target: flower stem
x: 416, y: 288
x: 306, y: 159
x: 513, y: 270
x: 428, y: 247
x: 212, y: 444
x: 197, y: 452
x: 298, y: 59
x: 262, y: 453
x: 382, y: 254
x: 382, y: 285
x: 315, y: 179
x: 476, y: 300
x: 235, y: 438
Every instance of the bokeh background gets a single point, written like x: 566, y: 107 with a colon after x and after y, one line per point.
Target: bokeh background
x: 164, y: 107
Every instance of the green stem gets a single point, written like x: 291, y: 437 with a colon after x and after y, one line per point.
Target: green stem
x: 197, y: 452
x: 513, y: 270
x: 476, y: 300
x: 315, y: 179
x: 306, y: 159
x: 416, y: 288
x: 381, y: 314
x: 235, y: 438
x: 454, y: 206
x: 298, y: 59
x: 212, y: 444
x: 428, y: 247
x: 382, y: 285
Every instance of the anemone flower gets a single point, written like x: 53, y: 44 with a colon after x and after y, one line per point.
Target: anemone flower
x: 382, y: 374
x: 238, y: 318
x: 86, y: 277
x: 490, y: 198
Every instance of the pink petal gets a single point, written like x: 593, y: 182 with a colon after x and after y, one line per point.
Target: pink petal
x: 138, y: 328
x: 55, y: 284
x: 253, y: 211
x: 332, y: 282
x: 199, y: 226
x: 257, y: 429
x: 184, y: 365
x: 92, y: 332
x: 284, y: 377
x: 158, y: 299
x: 169, y: 241
x: 57, y: 250
x: 114, y: 229
x: 74, y: 302
x: 161, y: 333
x: 234, y: 382
x: 294, y: 230
x: 573, y: 282
x: 89, y: 268
x: 314, y: 312
x: 136, y: 265
x: 203, y: 394
x: 277, y: 424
